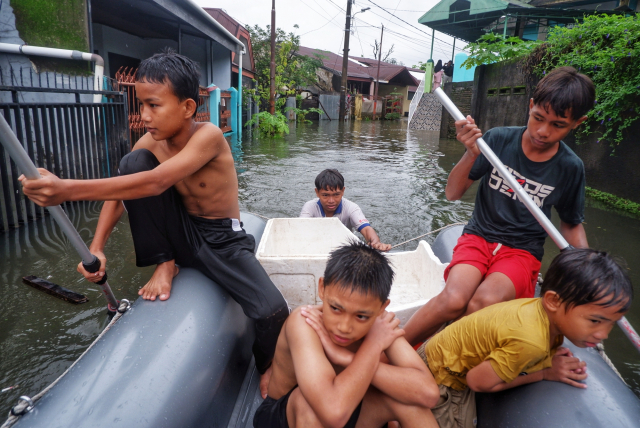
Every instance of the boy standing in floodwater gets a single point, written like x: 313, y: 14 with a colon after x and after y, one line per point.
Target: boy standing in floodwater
x: 180, y: 189
x: 498, y: 256
x: 585, y: 292
x: 330, y: 203
x: 327, y: 370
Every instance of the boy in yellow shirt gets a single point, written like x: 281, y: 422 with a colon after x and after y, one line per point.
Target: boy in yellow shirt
x: 518, y: 342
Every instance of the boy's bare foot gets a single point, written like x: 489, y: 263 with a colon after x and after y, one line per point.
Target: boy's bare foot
x: 264, y: 382
x: 160, y: 282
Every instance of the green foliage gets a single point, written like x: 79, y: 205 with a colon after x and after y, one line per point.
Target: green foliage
x: 421, y: 65
x: 614, y: 201
x: 292, y: 70
x: 58, y: 24
x: 301, y: 114
x: 492, y: 48
x: 270, y: 124
x: 392, y: 116
x: 607, y: 49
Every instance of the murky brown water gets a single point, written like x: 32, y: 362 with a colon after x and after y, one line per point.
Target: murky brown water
x: 397, y: 178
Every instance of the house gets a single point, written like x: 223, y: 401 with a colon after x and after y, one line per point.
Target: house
x: 248, y: 64
x: 361, y: 76
x: 527, y: 19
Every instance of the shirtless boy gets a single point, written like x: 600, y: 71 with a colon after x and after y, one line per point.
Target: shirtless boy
x: 327, y: 370
x: 180, y: 189
x: 498, y: 256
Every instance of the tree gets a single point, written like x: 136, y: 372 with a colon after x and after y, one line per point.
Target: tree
x: 292, y: 70
x: 385, y: 56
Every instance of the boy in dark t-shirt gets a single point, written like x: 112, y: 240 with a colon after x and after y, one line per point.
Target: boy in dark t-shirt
x: 498, y: 256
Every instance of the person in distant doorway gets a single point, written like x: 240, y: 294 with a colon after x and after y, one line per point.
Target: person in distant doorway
x: 437, y: 75
x: 330, y: 203
x: 448, y: 72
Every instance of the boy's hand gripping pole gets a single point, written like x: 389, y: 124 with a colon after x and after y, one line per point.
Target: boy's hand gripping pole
x: 527, y: 201
x: 21, y: 158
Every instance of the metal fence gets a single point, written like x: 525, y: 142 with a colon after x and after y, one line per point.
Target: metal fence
x: 125, y: 79
x: 78, y: 140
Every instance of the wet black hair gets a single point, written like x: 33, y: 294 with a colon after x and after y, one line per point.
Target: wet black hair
x: 582, y: 276
x: 330, y: 179
x: 168, y: 66
x: 565, y: 89
x: 358, y: 267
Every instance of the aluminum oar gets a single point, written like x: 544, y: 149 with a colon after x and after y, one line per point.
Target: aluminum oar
x: 527, y: 201
x: 90, y: 262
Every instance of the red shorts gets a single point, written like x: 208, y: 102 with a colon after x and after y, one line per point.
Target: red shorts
x: 519, y: 265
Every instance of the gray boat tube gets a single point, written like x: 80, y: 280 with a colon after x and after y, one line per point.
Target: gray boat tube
x: 607, y: 402
x: 178, y: 363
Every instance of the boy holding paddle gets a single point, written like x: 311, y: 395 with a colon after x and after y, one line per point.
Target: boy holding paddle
x: 498, y: 256
x: 180, y: 189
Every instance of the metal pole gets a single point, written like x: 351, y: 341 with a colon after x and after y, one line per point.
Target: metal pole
x: 453, y: 51
x: 239, y: 130
x: 21, y: 158
x: 272, y: 72
x: 433, y: 37
x: 504, y: 30
x: 377, y: 82
x: 345, y: 64
x: 527, y: 201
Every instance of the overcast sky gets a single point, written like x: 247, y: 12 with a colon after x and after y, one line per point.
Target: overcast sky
x: 322, y: 23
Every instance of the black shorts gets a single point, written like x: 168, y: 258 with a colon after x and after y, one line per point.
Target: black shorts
x: 272, y: 413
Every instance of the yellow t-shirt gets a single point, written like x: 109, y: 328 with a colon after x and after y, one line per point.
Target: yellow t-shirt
x: 513, y: 336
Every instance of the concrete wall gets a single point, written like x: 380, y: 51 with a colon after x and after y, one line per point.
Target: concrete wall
x: 495, y: 102
x: 613, y: 171
x: 221, y: 66
x: 460, y: 93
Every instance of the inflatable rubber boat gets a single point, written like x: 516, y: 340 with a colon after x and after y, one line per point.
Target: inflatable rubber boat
x: 187, y: 362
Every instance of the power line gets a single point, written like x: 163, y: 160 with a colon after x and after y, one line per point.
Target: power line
x: 422, y: 31
x: 404, y: 28
x: 326, y: 23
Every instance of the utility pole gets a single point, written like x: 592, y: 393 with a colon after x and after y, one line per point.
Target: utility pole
x: 272, y: 88
x: 345, y: 64
x: 377, y: 82
x: 453, y: 52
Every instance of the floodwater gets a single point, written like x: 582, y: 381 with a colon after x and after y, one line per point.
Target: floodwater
x: 397, y: 178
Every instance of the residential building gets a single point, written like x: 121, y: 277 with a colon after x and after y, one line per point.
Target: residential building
x: 527, y: 19
x: 361, y: 76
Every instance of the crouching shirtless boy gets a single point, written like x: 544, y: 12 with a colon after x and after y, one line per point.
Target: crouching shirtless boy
x: 327, y: 369
x: 180, y: 188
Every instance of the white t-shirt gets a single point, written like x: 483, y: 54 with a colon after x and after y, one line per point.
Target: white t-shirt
x: 348, y: 212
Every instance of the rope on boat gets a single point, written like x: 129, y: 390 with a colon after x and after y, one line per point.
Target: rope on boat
x: 428, y: 233
x: 25, y: 404
x: 600, y: 349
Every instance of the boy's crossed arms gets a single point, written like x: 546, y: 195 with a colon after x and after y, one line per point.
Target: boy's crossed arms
x: 327, y: 369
